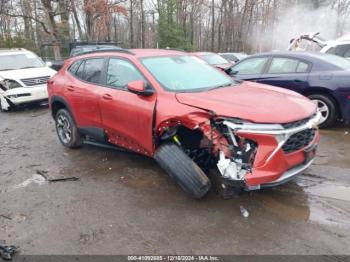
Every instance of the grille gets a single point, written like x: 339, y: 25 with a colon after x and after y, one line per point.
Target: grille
x: 299, y: 140
x: 35, y: 81
x: 297, y: 123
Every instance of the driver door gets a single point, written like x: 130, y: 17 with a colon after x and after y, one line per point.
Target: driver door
x: 126, y: 117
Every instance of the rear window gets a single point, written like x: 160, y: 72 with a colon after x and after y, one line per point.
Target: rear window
x: 337, y: 61
x: 214, y: 59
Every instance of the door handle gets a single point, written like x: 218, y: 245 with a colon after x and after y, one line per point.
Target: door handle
x: 297, y: 81
x: 107, y: 97
x: 70, y: 88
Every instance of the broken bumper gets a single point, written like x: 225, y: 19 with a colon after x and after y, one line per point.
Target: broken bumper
x: 275, y: 162
x: 24, y: 95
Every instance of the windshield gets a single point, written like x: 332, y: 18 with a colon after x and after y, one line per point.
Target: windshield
x: 214, y: 59
x: 336, y: 60
x: 20, y: 61
x: 185, y: 73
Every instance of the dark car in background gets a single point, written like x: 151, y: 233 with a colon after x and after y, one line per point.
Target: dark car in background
x: 79, y: 48
x: 214, y: 60
x: 324, y: 78
x: 233, y: 57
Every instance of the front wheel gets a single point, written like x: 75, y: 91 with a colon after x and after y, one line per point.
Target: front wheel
x: 327, y: 109
x: 67, y: 130
x: 183, y: 170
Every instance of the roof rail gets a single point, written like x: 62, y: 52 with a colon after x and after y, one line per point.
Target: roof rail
x: 175, y: 49
x: 117, y: 50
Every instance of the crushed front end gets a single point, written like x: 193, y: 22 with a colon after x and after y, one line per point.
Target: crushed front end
x: 263, y: 155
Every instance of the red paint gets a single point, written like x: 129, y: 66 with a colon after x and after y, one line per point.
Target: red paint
x: 128, y: 118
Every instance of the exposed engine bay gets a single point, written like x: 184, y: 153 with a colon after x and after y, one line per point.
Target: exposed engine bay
x: 224, y: 149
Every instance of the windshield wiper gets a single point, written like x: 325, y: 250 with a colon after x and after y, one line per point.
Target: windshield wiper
x: 27, y: 67
x: 7, y: 69
x: 220, y: 86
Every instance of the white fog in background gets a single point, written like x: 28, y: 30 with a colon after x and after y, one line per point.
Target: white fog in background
x: 301, y: 19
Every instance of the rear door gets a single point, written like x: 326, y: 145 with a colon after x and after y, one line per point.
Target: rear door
x: 287, y: 72
x: 82, y: 91
x: 250, y: 69
x: 126, y: 117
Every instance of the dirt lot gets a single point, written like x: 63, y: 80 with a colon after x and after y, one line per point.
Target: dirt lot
x: 125, y: 204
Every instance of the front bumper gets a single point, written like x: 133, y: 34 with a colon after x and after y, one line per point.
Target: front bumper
x: 272, y: 164
x: 24, y: 95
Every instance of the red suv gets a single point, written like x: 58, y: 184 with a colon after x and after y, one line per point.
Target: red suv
x: 191, y: 118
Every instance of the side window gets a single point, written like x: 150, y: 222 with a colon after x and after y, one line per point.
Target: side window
x: 250, y: 66
x: 347, y: 52
x: 331, y: 50
x: 340, y: 50
x: 121, y: 72
x: 280, y: 65
x: 80, y: 72
x: 93, y: 70
x: 73, y: 68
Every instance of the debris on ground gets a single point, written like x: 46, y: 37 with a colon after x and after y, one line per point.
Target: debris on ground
x: 244, y: 212
x: 7, y: 252
x: 44, y: 172
x: 346, y: 132
x: 36, y: 179
x: 5, y: 216
x: 73, y: 178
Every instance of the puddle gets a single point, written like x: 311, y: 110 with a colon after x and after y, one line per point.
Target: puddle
x: 330, y: 191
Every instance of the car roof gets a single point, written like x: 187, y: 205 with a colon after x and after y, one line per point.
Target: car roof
x: 295, y: 54
x: 13, y: 51
x: 232, y: 53
x: 138, y: 53
x: 204, y: 53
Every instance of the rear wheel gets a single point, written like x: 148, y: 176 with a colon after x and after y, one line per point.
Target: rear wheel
x: 327, y: 108
x: 67, y: 130
x: 183, y: 170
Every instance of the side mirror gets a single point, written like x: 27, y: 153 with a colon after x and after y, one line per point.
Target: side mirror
x: 138, y: 87
x: 48, y: 64
x: 233, y: 72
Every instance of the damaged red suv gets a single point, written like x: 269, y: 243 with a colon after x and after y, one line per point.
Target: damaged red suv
x: 194, y: 120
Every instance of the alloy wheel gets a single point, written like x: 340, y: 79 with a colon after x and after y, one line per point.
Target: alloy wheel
x: 323, y: 109
x: 64, y: 129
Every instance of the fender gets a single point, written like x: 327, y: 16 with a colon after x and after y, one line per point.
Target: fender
x: 62, y: 101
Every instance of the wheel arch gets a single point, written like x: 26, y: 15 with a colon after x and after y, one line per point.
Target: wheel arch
x: 57, y: 103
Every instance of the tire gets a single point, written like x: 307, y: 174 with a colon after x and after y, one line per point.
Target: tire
x: 67, y: 130
x: 329, y: 113
x: 9, y: 109
x: 183, y: 170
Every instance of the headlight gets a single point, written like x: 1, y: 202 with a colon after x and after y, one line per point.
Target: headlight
x: 11, y: 84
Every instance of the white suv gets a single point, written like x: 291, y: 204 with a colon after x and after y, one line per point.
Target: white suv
x: 23, y: 77
x: 313, y: 42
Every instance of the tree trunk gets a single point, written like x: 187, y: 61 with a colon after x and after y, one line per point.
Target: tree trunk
x: 212, y: 25
x: 143, y: 33
x: 76, y: 18
x: 53, y: 33
x: 131, y: 23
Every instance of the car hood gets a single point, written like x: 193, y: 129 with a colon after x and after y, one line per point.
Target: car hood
x: 253, y: 102
x: 27, y: 73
